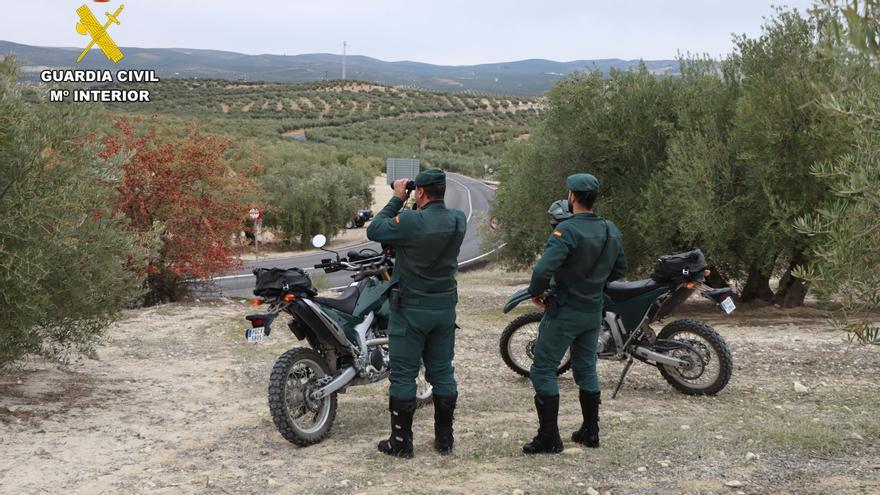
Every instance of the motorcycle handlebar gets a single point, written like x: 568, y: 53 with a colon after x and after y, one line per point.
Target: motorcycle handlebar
x: 358, y: 265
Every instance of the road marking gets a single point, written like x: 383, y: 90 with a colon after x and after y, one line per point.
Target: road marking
x: 481, y: 256
x: 468, y: 191
x: 232, y: 277
x: 245, y: 275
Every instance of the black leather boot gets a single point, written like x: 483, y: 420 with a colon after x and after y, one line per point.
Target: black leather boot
x: 547, y: 441
x: 400, y: 444
x: 588, y: 434
x: 444, y: 407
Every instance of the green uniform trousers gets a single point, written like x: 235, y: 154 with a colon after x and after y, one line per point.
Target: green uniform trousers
x: 572, y: 329
x: 417, y: 335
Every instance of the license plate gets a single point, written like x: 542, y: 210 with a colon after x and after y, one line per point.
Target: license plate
x: 727, y: 305
x: 255, y: 334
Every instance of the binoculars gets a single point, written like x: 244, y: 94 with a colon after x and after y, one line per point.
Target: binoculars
x: 410, y: 186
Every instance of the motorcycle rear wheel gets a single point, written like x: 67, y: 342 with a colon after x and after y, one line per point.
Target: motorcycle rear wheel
x: 518, y: 341
x: 298, y: 418
x: 714, y: 356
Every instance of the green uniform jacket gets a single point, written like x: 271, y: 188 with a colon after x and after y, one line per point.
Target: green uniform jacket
x: 426, y: 244
x: 570, y: 257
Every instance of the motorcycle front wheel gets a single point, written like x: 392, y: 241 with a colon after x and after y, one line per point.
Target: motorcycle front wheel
x: 695, y: 342
x: 299, y: 418
x: 517, y: 345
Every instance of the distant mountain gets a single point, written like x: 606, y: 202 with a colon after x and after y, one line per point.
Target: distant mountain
x: 523, y: 77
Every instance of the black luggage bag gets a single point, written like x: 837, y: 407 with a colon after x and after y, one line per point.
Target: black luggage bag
x: 676, y: 267
x: 273, y: 282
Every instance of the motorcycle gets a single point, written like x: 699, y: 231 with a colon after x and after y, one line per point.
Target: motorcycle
x: 689, y: 354
x: 347, y: 339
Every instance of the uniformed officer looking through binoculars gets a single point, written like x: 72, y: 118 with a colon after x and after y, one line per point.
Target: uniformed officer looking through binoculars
x: 427, y: 242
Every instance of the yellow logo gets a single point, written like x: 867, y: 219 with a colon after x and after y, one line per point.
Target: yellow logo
x: 88, y: 24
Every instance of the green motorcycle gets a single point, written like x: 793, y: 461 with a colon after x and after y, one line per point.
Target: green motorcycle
x: 347, y: 339
x: 689, y: 354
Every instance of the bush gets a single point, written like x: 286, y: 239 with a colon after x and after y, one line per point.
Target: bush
x: 315, y: 194
x: 67, y: 263
x: 179, y: 187
x: 719, y: 158
x: 847, y: 229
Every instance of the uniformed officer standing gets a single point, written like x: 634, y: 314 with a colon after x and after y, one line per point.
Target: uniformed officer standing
x: 582, y: 254
x: 422, y: 326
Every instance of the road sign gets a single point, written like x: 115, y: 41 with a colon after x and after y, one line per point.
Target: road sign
x: 255, y: 214
x: 401, y: 168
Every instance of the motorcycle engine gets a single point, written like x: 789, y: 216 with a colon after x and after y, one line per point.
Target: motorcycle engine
x: 604, y: 338
x: 377, y: 360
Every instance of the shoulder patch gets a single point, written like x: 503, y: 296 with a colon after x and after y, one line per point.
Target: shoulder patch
x: 557, y: 233
x: 397, y: 219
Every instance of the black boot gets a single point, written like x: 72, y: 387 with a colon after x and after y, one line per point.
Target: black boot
x: 589, y: 432
x: 444, y: 407
x: 400, y: 444
x: 547, y: 441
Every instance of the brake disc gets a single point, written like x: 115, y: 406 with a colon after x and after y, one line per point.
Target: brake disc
x: 695, y: 360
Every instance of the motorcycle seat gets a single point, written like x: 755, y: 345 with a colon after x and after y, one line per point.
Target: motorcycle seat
x: 621, y: 291
x: 345, y: 302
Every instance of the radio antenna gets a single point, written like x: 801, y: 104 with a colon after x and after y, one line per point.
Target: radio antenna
x: 344, y: 47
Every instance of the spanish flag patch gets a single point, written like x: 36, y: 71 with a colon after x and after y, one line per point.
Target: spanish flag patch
x: 397, y: 219
x: 557, y: 233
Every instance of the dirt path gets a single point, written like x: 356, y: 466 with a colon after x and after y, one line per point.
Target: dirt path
x: 175, y: 403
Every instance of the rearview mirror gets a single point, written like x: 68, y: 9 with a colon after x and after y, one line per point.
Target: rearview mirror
x: 319, y: 241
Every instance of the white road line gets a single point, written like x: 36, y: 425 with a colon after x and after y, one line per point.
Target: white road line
x: 232, y: 277
x: 481, y: 256
x: 468, y: 191
x: 245, y: 275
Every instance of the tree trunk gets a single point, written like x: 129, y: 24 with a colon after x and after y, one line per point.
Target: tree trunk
x: 757, y: 286
x: 792, y: 290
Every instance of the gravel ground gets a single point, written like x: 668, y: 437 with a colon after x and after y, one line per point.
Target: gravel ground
x: 175, y: 403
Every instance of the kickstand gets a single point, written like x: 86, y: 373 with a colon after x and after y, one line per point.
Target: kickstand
x: 629, y: 363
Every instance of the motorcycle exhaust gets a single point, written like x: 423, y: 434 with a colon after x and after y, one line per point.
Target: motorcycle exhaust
x: 340, y: 381
x: 375, y: 342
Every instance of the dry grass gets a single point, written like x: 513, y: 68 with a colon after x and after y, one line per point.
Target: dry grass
x: 176, y: 404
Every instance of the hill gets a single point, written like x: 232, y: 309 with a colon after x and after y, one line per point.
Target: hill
x: 461, y: 132
x: 523, y: 77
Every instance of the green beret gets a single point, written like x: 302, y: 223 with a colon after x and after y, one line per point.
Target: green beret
x: 582, y: 182
x: 428, y: 177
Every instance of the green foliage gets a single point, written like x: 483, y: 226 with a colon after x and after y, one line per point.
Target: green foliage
x: 718, y: 158
x: 847, y: 229
x: 615, y: 128
x: 348, y: 125
x: 311, y: 192
x: 469, y: 144
x: 467, y: 133
x: 67, y: 263
x: 691, y: 201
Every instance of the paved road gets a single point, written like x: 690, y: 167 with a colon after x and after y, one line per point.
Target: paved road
x: 469, y: 195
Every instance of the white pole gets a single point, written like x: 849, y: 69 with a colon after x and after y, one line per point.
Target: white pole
x: 257, y: 231
x: 344, y: 46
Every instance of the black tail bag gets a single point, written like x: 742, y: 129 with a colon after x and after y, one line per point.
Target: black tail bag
x: 676, y: 267
x: 273, y: 282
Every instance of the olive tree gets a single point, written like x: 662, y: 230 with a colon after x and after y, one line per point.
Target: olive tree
x: 847, y: 229
x: 67, y: 262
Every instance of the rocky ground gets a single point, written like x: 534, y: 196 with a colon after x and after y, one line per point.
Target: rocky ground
x: 175, y: 403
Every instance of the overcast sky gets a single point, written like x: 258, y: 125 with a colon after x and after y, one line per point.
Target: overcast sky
x: 451, y: 32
